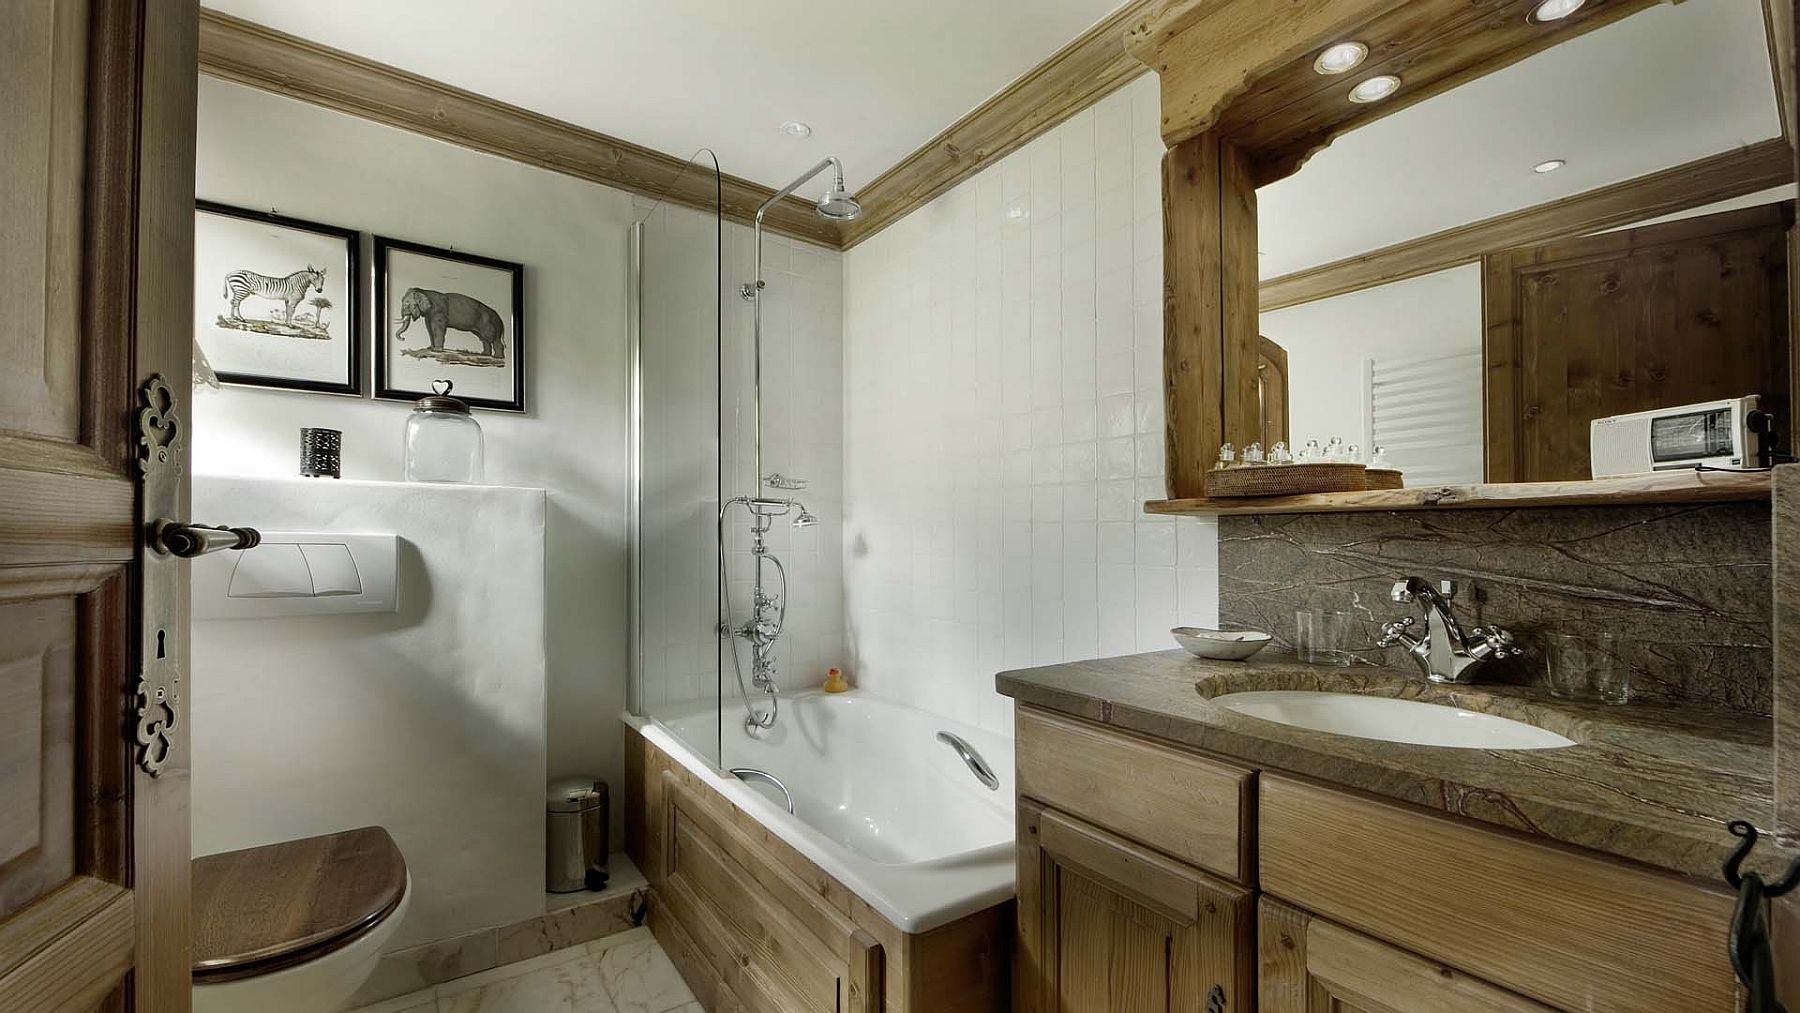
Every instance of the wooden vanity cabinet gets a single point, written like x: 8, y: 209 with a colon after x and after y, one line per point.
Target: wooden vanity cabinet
x: 1140, y: 866
x: 1108, y: 926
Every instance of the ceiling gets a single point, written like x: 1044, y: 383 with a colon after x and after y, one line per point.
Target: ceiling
x: 1665, y: 86
x: 874, y: 80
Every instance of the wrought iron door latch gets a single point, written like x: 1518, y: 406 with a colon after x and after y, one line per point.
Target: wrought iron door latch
x: 1748, y: 941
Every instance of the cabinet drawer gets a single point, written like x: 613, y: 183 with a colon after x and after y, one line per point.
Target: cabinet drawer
x: 1575, y: 930
x: 1309, y: 965
x: 1183, y: 805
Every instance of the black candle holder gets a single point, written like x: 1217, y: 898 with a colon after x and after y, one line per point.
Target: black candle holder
x: 319, y: 453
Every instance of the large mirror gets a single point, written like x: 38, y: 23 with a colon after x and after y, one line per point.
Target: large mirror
x: 1587, y: 233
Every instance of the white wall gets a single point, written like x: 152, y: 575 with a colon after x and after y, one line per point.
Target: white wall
x: 1328, y: 340
x: 259, y: 150
x: 1003, y: 423
x: 427, y: 721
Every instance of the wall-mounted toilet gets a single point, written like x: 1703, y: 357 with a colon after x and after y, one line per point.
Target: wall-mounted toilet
x: 295, y: 927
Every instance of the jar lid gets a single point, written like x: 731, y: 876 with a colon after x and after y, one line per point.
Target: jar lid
x: 441, y: 401
x: 574, y: 794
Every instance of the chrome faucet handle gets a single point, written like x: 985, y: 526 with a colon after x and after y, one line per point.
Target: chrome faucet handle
x: 1395, y: 632
x: 1493, y: 642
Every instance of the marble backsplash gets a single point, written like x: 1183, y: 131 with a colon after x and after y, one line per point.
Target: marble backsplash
x: 1686, y: 588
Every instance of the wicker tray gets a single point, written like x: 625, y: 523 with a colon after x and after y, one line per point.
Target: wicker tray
x: 1385, y: 478
x: 1286, y: 480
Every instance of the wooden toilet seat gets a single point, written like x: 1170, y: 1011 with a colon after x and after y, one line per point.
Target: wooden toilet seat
x: 263, y: 909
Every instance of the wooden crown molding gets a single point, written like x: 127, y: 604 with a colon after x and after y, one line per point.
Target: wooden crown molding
x: 236, y: 50
x: 1081, y: 73
x: 1718, y: 177
x: 1074, y: 77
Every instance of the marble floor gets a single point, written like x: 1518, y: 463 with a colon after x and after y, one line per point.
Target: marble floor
x: 623, y: 973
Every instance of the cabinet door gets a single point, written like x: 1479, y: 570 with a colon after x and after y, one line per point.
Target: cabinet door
x: 1309, y: 965
x: 1107, y: 926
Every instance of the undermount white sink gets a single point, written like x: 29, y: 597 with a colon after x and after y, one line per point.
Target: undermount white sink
x: 1391, y: 720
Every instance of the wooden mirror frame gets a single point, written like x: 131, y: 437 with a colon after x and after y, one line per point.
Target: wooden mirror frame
x: 1242, y: 107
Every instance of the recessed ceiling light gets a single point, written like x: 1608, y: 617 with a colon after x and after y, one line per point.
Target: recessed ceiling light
x: 1341, y: 57
x: 1548, y: 166
x: 1554, y: 10
x: 1375, y: 88
x: 795, y: 128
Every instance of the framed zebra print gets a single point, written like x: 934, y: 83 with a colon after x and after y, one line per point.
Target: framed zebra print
x: 445, y: 315
x: 277, y: 300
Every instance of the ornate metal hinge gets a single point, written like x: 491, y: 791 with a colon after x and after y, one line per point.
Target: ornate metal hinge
x: 159, y: 436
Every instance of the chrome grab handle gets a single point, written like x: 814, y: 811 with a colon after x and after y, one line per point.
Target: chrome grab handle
x: 971, y: 759
x: 173, y: 538
x: 753, y: 774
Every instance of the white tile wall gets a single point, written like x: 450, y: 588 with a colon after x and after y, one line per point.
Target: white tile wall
x: 803, y: 437
x: 1003, y: 424
x: 684, y: 660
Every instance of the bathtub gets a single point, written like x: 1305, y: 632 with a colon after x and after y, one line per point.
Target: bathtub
x: 880, y: 804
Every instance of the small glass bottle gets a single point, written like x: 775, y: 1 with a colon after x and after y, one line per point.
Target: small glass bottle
x: 1253, y: 454
x: 1227, y: 458
x: 443, y: 441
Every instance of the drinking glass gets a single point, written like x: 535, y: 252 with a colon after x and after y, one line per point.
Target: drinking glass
x: 1323, y: 638
x: 1586, y: 666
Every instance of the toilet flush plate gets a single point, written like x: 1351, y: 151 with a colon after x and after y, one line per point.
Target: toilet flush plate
x: 299, y: 573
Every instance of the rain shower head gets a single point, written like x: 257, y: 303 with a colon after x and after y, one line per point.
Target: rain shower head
x: 805, y: 519
x: 839, y: 204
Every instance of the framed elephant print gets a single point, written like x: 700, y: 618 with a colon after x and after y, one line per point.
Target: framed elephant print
x: 277, y: 301
x: 445, y: 315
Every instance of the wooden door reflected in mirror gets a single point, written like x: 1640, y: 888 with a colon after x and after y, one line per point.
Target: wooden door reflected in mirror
x: 1649, y: 318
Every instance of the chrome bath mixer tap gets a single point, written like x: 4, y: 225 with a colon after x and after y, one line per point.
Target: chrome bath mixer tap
x: 1445, y: 653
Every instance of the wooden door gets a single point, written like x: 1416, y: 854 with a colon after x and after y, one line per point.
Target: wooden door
x: 1309, y: 965
x: 1272, y: 392
x: 96, y: 226
x: 1654, y: 317
x: 1108, y: 926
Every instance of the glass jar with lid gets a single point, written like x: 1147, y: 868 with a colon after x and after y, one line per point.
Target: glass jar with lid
x: 443, y: 441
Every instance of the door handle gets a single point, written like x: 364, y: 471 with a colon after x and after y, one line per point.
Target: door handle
x: 172, y: 538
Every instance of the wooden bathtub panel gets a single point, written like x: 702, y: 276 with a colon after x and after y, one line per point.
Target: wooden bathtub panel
x: 783, y: 949
x: 962, y: 967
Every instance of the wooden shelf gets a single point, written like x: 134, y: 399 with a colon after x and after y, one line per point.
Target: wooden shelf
x: 1667, y: 487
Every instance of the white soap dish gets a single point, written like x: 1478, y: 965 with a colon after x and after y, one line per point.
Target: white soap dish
x: 1220, y: 645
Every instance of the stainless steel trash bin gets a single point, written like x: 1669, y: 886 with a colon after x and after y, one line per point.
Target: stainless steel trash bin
x: 576, y: 857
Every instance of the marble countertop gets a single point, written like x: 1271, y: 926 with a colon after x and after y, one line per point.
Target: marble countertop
x: 1649, y: 783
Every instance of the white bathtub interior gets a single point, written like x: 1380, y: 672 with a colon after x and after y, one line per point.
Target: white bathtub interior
x: 879, y: 802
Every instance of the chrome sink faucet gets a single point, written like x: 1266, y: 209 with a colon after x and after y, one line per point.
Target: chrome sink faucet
x: 1445, y: 653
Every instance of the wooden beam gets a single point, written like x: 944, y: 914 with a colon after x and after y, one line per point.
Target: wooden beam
x: 247, y: 53
x: 1433, y: 46
x: 1660, y: 488
x: 1210, y: 52
x: 1209, y: 307
x: 1193, y: 320
x: 1718, y: 177
x: 1072, y: 79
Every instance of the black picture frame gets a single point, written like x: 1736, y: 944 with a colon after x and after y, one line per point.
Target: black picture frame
x: 352, y: 272
x: 385, y: 386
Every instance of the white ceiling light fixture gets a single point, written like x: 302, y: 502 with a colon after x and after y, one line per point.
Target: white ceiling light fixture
x: 1554, y: 10
x: 1341, y: 57
x: 1548, y: 165
x: 795, y: 128
x: 1374, y: 89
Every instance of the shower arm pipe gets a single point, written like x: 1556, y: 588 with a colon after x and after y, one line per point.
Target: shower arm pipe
x: 753, y: 292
